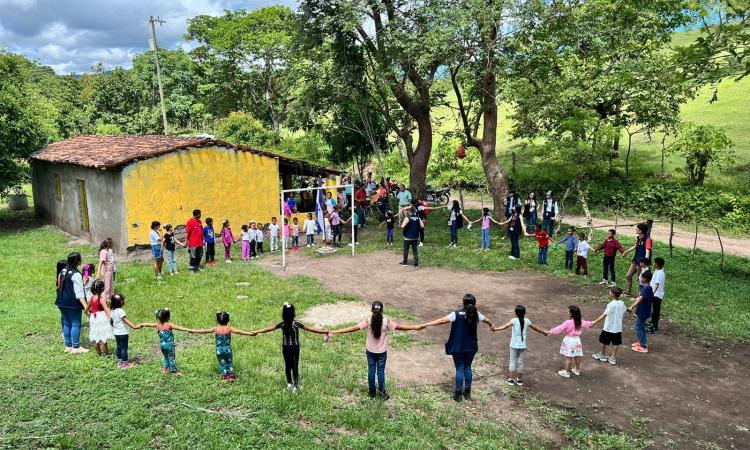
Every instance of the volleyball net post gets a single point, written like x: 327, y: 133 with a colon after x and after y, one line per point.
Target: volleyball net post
x: 320, y: 209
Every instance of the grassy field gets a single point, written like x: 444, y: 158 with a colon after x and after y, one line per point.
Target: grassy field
x: 54, y: 400
x: 704, y: 301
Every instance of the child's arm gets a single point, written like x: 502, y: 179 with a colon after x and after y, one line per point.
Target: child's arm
x: 488, y: 322
x: 410, y: 327
x: 346, y: 330
x: 496, y: 222
x: 502, y: 327
x: 538, y: 330
x: 242, y: 332
x: 314, y: 330
x: 146, y: 325
x: 206, y: 331
x: 130, y: 324
x: 598, y: 319
x: 440, y: 321
x: 629, y: 250
x: 179, y: 328
x: 263, y: 330
x: 106, y: 309
x: 635, y: 303
x: 559, y: 329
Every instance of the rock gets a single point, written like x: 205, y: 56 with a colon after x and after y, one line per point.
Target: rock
x: 241, y: 297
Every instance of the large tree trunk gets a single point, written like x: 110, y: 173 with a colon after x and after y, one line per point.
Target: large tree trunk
x: 497, y: 180
x: 421, y: 156
x: 586, y: 211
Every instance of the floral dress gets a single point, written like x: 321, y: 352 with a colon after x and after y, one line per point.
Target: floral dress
x: 224, y: 355
x: 166, y: 343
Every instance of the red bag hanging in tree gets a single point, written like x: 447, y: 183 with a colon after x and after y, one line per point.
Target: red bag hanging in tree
x: 461, y: 152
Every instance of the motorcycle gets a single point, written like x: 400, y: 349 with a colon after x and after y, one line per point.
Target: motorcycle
x: 440, y: 196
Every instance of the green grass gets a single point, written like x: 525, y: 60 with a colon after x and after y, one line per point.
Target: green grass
x: 704, y: 300
x: 55, y: 400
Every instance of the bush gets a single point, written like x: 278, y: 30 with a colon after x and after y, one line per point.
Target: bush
x: 243, y: 128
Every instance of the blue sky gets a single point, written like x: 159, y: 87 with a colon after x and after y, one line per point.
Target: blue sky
x: 72, y: 35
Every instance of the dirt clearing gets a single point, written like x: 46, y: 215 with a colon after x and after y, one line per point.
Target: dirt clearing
x: 684, y: 394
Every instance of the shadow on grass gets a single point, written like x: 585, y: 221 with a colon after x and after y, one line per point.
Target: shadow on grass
x: 18, y: 221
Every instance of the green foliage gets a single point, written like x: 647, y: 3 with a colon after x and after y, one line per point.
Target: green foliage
x: 123, y: 99
x: 311, y: 147
x: 243, y: 128
x: 107, y: 129
x: 445, y: 169
x: 701, y: 146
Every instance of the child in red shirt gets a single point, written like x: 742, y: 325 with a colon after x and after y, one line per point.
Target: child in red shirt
x: 610, y: 246
x: 543, y: 239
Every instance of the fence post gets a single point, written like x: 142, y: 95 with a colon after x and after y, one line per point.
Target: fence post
x: 722, y: 248
x: 671, y: 234
x: 513, y: 163
x: 695, y: 241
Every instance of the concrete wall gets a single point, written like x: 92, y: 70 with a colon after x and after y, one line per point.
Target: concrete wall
x: 222, y: 183
x: 104, y: 196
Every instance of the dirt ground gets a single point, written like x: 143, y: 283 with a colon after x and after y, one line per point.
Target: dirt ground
x: 660, y: 231
x: 685, y: 394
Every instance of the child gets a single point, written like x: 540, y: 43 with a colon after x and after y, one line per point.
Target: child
x: 166, y: 339
x: 486, y: 219
x: 120, y: 324
x: 571, y: 244
x: 154, y: 238
x: 327, y: 231
x: 390, y: 223
x: 610, y: 247
x: 643, y: 266
x: 642, y: 304
x: 336, y: 225
x: 223, y: 333
x: 245, y: 239
x: 612, y: 330
x: 273, y: 231
x: 519, y: 329
x: 376, y: 347
x: 355, y: 218
x: 571, y: 347
x: 209, y: 237
x: 289, y: 343
x: 295, y: 234
x: 227, y: 238
x: 100, y: 330
x: 582, y: 254
x: 542, y: 239
x: 170, y: 249
x: 309, y: 227
x: 88, y: 279
x: 259, y: 238
x: 253, y: 233
x: 657, y: 285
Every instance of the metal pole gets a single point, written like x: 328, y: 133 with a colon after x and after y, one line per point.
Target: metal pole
x: 354, y: 241
x: 283, y: 238
x: 155, y: 48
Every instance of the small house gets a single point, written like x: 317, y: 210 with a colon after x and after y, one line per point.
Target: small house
x: 114, y: 186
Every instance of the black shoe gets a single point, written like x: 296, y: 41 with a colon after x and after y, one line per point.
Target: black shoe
x: 383, y: 395
x: 372, y: 394
x: 458, y: 397
x: 416, y: 266
x: 467, y: 394
x: 403, y: 264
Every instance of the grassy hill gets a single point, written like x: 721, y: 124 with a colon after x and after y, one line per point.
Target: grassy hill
x: 729, y: 111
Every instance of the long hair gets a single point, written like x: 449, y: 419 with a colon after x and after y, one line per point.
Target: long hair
x: 470, y: 307
x: 61, y: 265
x: 288, y: 313
x: 74, y: 260
x: 222, y: 318
x: 456, y: 206
x: 521, y: 314
x: 575, y: 314
x: 106, y: 244
x: 376, y: 321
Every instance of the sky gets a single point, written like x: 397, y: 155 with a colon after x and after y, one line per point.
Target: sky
x: 72, y: 35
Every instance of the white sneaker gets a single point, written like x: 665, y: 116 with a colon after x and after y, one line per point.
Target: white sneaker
x: 228, y: 261
x: 79, y: 350
x: 513, y: 257
x: 603, y: 282
x: 68, y: 349
x: 576, y: 372
x: 289, y: 386
x: 564, y: 373
x: 351, y: 244
x: 421, y: 244
x: 613, y: 284
x: 612, y: 360
x: 294, y: 389
x: 599, y: 357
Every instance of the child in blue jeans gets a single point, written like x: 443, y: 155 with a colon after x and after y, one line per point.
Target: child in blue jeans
x: 642, y: 305
x: 571, y: 244
x: 486, y: 219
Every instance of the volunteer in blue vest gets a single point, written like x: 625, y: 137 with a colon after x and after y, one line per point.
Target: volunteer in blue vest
x: 71, y: 300
x: 411, y: 226
x: 642, y: 249
x: 550, y: 209
x: 462, y: 343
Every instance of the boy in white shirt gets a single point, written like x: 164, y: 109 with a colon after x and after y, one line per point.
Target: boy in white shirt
x: 309, y: 227
x: 259, y: 238
x: 273, y: 231
x: 612, y: 329
x: 582, y: 252
x: 657, y: 284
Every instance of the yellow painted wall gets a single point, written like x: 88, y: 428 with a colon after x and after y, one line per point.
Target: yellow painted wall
x: 223, y: 184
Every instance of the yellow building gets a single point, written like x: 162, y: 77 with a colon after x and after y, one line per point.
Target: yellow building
x: 115, y: 186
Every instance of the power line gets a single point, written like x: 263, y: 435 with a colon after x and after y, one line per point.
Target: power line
x: 153, y: 21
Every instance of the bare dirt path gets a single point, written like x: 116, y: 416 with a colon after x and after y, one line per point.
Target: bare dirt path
x: 685, y: 394
x: 660, y: 231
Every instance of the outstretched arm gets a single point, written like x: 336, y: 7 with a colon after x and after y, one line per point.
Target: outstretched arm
x: 410, y: 327
x: 242, y: 332
x: 488, y: 322
x: 206, y: 331
x: 130, y: 324
x: 503, y: 327
x: 263, y: 330
x: 346, y: 330
x: 440, y: 321
x: 179, y: 328
x: 314, y: 330
x: 598, y: 319
x: 538, y: 330
x: 146, y: 325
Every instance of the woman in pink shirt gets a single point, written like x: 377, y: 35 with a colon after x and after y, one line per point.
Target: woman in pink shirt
x: 571, y: 347
x: 376, y: 346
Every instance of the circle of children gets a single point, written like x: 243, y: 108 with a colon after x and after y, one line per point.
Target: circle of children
x: 90, y: 291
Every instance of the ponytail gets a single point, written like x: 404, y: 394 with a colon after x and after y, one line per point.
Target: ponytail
x: 376, y: 320
x: 470, y: 307
x: 521, y: 314
x: 575, y: 314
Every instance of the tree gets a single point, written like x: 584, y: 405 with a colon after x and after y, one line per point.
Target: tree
x: 480, y: 43
x: 701, y: 146
x: 123, y: 99
x: 403, y: 53
x: 243, y: 128
x: 259, y: 44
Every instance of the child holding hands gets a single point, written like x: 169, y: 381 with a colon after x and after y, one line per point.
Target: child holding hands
x: 223, y: 333
x: 519, y: 328
x: 165, y: 328
x: 571, y: 347
x: 486, y: 219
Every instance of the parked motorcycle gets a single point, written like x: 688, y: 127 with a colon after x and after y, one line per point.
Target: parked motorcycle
x: 440, y: 196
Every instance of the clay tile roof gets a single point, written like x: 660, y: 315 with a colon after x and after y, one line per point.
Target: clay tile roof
x: 103, y: 152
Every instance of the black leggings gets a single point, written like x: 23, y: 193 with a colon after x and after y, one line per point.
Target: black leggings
x: 291, y: 363
x: 210, y: 251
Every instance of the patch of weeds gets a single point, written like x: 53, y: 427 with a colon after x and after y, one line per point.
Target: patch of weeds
x: 639, y: 421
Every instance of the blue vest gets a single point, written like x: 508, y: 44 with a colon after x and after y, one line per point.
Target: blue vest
x: 66, y: 295
x: 640, y: 249
x: 411, y: 231
x: 463, y: 338
x: 515, y: 224
x: 554, y: 208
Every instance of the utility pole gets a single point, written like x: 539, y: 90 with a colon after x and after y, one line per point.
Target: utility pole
x: 152, y: 21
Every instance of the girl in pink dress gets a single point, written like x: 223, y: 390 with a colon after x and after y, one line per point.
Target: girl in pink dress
x: 571, y: 347
x: 227, y: 238
x: 106, y: 268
